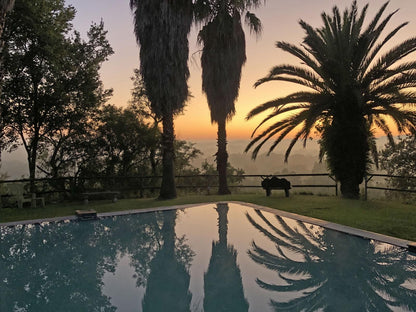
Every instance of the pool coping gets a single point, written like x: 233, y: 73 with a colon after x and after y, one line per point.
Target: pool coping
x: 326, y: 224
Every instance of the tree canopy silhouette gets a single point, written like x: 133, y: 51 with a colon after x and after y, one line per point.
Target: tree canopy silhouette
x: 352, y: 87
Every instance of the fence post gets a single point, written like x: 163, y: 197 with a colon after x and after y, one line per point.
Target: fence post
x: 336, y: 188
x: 141, y: 187
x: 336, y: 184
x: 365, y: 187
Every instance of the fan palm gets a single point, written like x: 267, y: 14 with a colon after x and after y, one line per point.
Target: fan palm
x: 162, y: 29
x: 223, y: 56
x: 352, y: 87
x: 331, y: 271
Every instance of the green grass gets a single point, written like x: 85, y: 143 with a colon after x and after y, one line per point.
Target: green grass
x: 385, y: 217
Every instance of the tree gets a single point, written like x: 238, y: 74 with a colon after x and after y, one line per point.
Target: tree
x: 162, y: 29
x: 139, y: 102
x: 353, y: 90
x: 51, y: 75
x: 223, y: 56
x: 5, y: 7
x: 400, y: 160
x: 141, y: 105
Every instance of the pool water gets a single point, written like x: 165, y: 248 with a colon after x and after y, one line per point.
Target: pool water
x: 224, y: 257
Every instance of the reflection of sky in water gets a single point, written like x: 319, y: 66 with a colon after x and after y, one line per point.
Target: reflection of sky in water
x: 110, y: 265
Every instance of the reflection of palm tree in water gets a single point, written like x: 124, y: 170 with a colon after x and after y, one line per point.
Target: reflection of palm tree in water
x: 223, y: 286
x: 168, y: 283
x: 333, y: 271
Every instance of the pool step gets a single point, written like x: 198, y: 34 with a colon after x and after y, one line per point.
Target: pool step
x: 83, y: 215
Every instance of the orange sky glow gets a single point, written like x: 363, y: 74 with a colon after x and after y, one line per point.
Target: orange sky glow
x: 280, y: 23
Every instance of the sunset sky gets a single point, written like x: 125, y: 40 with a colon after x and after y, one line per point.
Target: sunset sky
x: 280, y: 23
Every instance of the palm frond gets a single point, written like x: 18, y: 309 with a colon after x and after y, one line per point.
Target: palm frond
x: 297, y: 97
x: 365, y: 58
x: 254, y: 23
x: 307, y: 77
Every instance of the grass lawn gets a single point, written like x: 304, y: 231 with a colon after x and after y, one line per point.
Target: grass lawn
x: 380, y: 216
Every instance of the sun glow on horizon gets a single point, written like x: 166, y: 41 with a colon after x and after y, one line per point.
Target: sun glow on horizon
x: 280, y: 23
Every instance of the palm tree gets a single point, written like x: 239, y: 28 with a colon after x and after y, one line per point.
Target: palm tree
x: 331, y: 271
x: 162, y: 29
x: 223, y: 56
x: 350, y: 90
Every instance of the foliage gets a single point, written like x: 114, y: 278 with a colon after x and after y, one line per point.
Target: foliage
x: 5, y: 7
x: 140, y: 102
x: 185, y: 153
x: 209, y: 176
x: 162, y: 29
x: 120, y: 144
x: 351, y: 88
x: 400, y: 160
x: 51, y: 75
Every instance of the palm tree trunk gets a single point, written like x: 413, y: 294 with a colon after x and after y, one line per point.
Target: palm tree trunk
x: 348, y: 154
x: 222, y: 158
x: 168, y: 188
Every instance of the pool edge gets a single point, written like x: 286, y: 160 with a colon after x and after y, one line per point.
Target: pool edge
x: 335, y: 226
x: 326, y: 224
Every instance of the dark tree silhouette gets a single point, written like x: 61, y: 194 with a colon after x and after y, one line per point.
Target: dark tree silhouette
x: 51, y: 75
x: 223, y: 286
x: 332, y: 271
x: 223, y: 56
x: 162, y: 29
x: 354, y: 88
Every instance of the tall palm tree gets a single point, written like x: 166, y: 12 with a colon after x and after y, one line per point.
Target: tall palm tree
x: 352, y: 87
x: 223, y: 56
x: 162, y: 28
x: 331, y: 271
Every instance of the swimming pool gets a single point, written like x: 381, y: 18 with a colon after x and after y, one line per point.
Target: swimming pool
x: 213, y: 257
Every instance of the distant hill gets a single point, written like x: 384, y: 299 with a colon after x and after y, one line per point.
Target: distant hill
x: 14, y: 165
x: 301, y: 160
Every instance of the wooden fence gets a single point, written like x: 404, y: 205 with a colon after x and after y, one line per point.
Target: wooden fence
x: 141, y: 184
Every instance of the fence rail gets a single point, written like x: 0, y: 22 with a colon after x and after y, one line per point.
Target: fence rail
x: 368, y: 177
x: 141, y: 184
